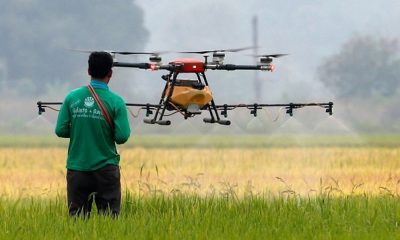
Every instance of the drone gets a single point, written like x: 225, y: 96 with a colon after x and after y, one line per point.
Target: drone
x: 191, y: 97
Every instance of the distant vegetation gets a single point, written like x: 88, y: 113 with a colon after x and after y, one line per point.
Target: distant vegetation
x: 35, y: 35
x: 365, y: 67
x: 364, y: 76
x: 34, y: 60
x: 219, y: 141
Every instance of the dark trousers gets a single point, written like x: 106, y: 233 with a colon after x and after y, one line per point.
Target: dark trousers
x: 103, y: 186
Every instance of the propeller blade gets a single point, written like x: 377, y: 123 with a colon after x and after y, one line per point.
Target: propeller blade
x: 271, y: 55
x: 118, y: 52
x: 239, y: 49
x: 220, y: 50
x: 79, y: 50
x: 139, y: 53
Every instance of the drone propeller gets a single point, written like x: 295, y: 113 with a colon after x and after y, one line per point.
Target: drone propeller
x: 270, y: 55
x: 83, y: 50
x: 154, y: 56
x: 218, y: 55
x: 140, y: 53
x: 266, y: 59
x: 220, y: 50
x: 119, y: 52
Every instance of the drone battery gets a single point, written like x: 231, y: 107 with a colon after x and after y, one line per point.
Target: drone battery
x: 189, y: 65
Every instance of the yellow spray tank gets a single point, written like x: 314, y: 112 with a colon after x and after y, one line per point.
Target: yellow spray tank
x: 188, y: 93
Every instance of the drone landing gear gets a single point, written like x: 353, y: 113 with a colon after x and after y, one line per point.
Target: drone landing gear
x: 159, y: 122
x: 215, y: 119
x: 222, y: 122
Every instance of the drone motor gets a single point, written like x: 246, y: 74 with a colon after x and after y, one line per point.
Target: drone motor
x: 218, y: 57
x: 155, y: 59
x: 265, y: 60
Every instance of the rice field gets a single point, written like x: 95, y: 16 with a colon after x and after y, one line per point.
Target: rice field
x: 194, y: 217
x: 296, y: 188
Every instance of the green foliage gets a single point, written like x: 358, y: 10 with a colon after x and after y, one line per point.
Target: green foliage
x: 364, y: 78
x: 37, y: 33
x: 194, y: 217
x: 364, y: 67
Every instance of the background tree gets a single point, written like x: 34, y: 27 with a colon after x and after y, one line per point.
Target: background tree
x: 364, y: 67
x: 365, y: 78
x: 35, y: 34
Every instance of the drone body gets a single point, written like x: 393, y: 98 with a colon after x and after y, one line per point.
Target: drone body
x: 190, y: 97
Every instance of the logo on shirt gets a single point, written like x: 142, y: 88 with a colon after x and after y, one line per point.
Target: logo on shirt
x: 89, y: 101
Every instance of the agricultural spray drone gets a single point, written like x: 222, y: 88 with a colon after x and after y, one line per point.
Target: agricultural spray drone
x: 190, y: 97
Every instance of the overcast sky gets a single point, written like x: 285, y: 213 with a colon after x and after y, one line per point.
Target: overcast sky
x: 310, y: 30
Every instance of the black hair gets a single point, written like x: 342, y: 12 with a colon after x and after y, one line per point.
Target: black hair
x: 100, y: 64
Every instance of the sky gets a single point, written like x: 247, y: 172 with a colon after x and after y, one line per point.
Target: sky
x: 309, y: 30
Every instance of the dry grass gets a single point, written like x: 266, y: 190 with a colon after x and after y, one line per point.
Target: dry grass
x: 41, y: 171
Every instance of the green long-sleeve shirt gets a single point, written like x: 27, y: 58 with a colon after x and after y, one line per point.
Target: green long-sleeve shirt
x: 92, y: 142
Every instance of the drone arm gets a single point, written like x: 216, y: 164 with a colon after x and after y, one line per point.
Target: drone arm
x: 294, y: 105
x: 42, y: 105
x: 148, y: 107
x: 232, y: 67
x: 142, y: 105
x: 132, y: 65
x: 152, y: 66
x: 289, y: 107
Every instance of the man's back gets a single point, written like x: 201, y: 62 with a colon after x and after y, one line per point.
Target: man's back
x: 93, y: 160
x: 92, y: 141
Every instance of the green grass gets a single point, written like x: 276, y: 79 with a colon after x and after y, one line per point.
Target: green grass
x: 220, y: 141
x: 194, y: 217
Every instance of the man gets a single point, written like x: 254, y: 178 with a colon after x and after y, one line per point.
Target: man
x: 93, y: 161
